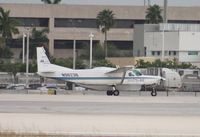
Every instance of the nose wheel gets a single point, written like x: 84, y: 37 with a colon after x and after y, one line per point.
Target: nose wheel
x: 153, y: 92
x: 113, y: 92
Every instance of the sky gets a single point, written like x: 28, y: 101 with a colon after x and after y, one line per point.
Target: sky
x: 114, y: 2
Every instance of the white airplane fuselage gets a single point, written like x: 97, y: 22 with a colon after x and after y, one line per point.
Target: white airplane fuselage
x: 100, y: 78
x: 96, y: 78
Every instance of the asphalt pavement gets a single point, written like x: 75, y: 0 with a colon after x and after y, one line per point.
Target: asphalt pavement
x: 94, y: 115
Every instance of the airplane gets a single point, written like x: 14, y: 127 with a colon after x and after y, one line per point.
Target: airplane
x: 107, y: 79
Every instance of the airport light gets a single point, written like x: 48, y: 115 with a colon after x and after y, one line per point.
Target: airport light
x: 91, y: 37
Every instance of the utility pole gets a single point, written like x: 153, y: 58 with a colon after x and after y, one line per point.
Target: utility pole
x: 23, y: 48
x: 27, y: 60
x: 74, y: 54
x: 165, y: 12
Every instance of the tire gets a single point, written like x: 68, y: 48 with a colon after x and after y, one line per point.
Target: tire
x: 109, y: 92
x: 116, y: 93
x: 153, y: 92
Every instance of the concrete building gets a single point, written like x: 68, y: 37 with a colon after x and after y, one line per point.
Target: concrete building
x: 180, y: 41
x: 69, y: 22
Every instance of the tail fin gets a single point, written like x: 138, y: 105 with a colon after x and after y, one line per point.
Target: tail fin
x: 43, y: 62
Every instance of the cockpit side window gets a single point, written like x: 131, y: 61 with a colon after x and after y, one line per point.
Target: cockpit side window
x: 131, y: 74
x: 137, y: 73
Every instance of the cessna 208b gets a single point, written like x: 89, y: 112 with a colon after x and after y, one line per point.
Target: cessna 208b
x: 108, y: 79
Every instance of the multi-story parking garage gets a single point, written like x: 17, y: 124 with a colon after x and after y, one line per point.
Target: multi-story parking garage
x: 69, y: 22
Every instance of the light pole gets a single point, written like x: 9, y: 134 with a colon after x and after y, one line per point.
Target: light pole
x: 23, y: 48
x: 91, y: 37
x: 27, y: 59
x: 74, y: 54
x: 163, y: 43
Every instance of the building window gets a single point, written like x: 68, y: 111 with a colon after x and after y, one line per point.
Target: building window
x: 158, y: 53
x: 33, y: 22
x: 15, y: 43
x: 68, y: 44
x: 122, y: 45
x: 195, y: 53
x: 152, y: 53
x: 91, y: 23
x: 174, y: 53
x: 127, y: 23
x: 169, y: 53
x: 79, y: 23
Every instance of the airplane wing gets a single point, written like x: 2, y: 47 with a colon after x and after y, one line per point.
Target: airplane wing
x: 120, y: 71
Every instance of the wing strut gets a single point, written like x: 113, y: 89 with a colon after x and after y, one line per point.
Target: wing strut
x: 123, y: 76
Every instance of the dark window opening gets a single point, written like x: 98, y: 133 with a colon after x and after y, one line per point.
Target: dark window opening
x: 68, y: 44
x: 123, y: 45
x: 15, y: 43
x: 33, y: 22
x: 153, y: 53
x: 79, y: 23
x: 158, y: 52
x: 91, y: 23
x: 185, y: 21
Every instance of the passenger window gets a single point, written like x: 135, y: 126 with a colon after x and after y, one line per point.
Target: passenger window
x: 181, y: 72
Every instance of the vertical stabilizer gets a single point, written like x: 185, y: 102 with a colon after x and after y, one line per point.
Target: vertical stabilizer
x: 43, y: 62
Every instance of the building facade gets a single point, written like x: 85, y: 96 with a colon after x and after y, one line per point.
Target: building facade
x: 168, y: 41
x: 75, y: 22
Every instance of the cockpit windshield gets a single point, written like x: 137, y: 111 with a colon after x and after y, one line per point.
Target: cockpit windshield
x: 135, y: 72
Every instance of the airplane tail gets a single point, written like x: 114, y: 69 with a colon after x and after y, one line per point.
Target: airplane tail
x: 43, y: 62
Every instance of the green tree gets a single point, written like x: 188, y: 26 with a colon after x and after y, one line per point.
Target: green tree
x: 68, y: 63
x: 105, y: 20
x: 51, y: 2
x: 97, y: 52
x: 7, y: 25
x: 105, y: 63
x: 5, y: 52
x: 153, y: 14
x: 37, y: 38
x: 113, y: 51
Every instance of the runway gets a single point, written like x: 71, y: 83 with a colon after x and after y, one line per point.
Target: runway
x: 96, y: 115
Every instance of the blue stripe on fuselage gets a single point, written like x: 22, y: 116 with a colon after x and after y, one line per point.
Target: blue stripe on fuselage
x: 100, y: 78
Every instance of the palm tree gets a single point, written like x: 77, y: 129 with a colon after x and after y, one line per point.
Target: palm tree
x: 38, y: 38
x: 153, y: 14
x: 105, y: 20
x: 51, y: 2
x: 7, y: 25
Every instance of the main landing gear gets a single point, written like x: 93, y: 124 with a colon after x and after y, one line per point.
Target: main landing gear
x: 114, y: 92
x: 153, y: 92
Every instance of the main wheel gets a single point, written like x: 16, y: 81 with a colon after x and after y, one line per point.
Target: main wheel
x: 116, y: 92
x: 153, y: 92
x: 109, y: 92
